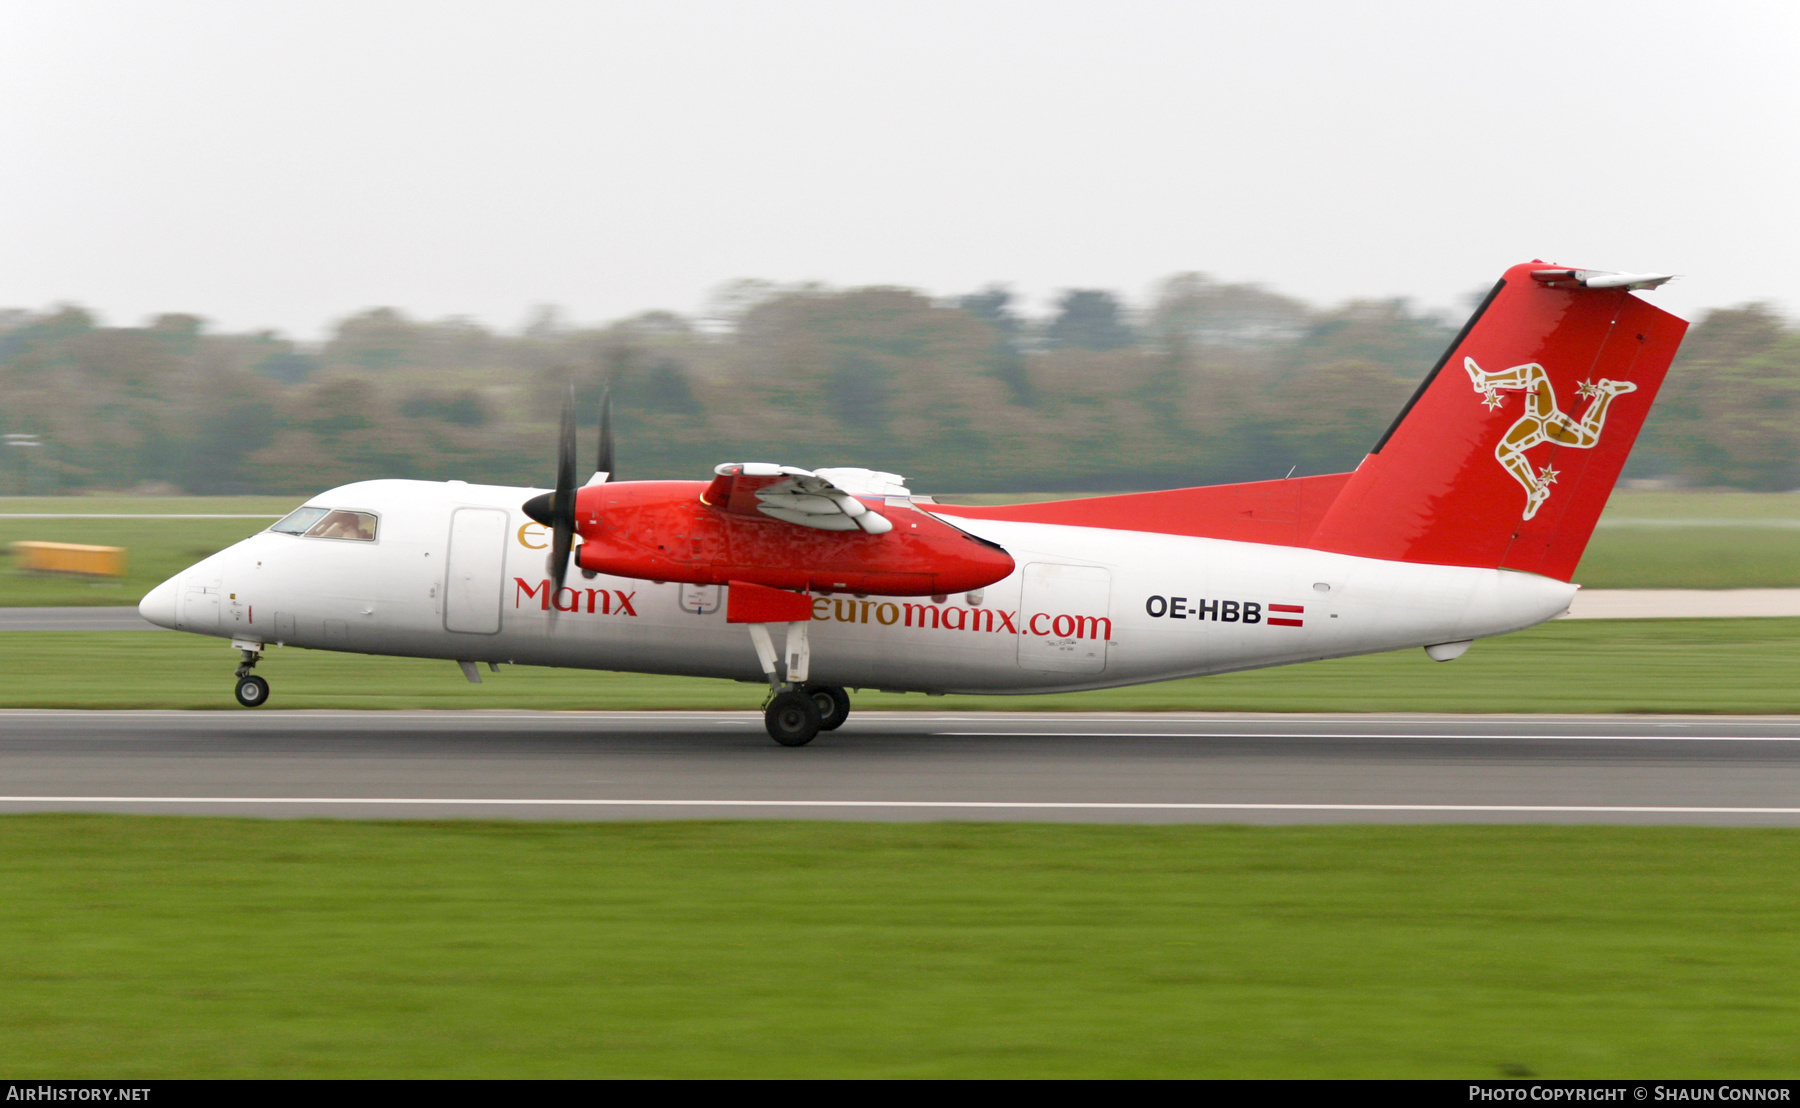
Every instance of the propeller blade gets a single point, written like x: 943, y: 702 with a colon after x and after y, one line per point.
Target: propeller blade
x: 605, y: 462
x: 556, y: 510
x: 562, y: 504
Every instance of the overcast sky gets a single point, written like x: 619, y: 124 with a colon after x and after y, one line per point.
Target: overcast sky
x: 283, y: 164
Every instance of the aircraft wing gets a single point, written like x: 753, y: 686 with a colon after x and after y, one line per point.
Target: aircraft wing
x: 824, y: 499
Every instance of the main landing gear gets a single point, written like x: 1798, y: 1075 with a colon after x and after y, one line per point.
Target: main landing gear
x: 796, y: 711
x: 792, y: 718
x: 796, y: 715
x: 252, y: 691
x: 834, y: 705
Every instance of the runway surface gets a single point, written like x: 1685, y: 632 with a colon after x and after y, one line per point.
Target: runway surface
x: 1136, y: 768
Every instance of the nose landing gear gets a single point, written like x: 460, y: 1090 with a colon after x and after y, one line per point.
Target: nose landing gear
x: 252, y: 691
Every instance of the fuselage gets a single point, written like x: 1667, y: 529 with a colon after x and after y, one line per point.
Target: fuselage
x: 457, y: 571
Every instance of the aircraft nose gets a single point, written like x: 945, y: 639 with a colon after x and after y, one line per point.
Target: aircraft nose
x: 158, y: 605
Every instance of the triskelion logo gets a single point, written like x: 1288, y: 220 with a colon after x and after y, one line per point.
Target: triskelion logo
x: 1542, y: 422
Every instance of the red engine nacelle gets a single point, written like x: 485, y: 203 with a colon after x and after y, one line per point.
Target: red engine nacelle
x: 663, y: 531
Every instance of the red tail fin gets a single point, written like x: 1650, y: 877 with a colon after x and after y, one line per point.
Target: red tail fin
x: 1507, y: 452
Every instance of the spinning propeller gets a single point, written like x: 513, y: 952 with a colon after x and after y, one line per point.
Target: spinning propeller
x: 556, y: 510
x: 603, y: 465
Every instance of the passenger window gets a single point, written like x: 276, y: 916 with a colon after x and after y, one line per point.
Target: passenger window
x: 340, y: 524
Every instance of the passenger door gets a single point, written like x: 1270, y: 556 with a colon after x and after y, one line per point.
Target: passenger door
x: 1065, y: 618
x: 474, y: 576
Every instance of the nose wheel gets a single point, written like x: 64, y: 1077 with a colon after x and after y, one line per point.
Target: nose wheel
x: 252, y: 691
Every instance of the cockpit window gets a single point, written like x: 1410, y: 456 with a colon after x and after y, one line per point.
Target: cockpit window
x: 344, y: 525
x: 328, y: 523
x: 299, y: 520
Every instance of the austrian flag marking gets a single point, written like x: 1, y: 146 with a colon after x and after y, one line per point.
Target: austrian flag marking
x: 1292, y: 616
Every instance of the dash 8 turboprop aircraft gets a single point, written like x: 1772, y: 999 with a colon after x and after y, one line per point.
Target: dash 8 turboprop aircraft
x: 1466, y: 520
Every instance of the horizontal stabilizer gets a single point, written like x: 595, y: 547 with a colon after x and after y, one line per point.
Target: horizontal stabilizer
x: 1600, y: 279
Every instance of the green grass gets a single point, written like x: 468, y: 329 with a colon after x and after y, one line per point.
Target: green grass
x: 1700, y: 504
x: 1687, y: 665
x: 150, y: 947
x: 1647, y: 539
x: 1626, y: 557
x: 158, y: 549
x: 1695, y: 540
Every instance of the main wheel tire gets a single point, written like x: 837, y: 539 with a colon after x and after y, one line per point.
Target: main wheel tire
x: 792, y: 718
x: 834, y: 705
x: 252, y: 691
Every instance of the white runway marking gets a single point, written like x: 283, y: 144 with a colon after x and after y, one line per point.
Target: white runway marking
x: 1358, y: 735
x: 1009, y: 805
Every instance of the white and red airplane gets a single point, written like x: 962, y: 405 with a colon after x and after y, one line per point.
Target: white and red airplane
x: 1467, y: 519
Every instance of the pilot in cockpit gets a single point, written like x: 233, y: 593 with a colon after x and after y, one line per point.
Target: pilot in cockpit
x: 345, y: 525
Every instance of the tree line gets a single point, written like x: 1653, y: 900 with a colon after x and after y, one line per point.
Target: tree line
x: 1208, y: 382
